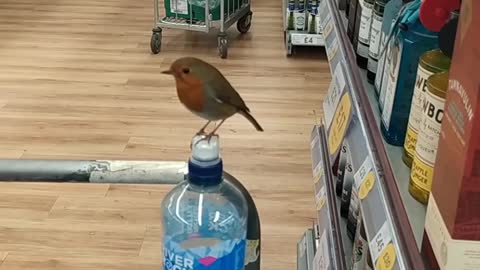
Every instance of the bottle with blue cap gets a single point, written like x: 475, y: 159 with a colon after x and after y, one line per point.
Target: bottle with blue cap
x: 204, y: 217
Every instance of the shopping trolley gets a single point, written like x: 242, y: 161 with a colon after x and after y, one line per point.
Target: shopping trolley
x: 183, y: 14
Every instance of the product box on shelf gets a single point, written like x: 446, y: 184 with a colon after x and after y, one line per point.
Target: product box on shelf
x: 452, y: 227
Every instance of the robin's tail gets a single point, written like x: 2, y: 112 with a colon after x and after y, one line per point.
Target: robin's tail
x: 251, y: 119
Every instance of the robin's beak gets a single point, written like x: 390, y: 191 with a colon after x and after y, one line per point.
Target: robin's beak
x: 169, y: 72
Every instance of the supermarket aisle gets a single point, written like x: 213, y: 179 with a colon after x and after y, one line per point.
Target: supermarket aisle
x: 77, y: 81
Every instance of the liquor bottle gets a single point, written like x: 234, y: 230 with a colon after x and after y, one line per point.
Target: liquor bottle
x: 410, y: 40
x: 364, y: 33
x: 300, y: 15
x: 347, y: 188
x: 344, y: 152
x: 352, y: 19
x: 347, y: 8
x: 375, y: 36
x: 431, y: 62
x: 291, y: 16
x: 392, y: 8
x: 430, y: 126
x: 353, y: 212
x: 360, y: 246
x: 312, y: 25
x: 358, y: 16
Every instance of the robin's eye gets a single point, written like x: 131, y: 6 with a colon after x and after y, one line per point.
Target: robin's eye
x: 186, y: 70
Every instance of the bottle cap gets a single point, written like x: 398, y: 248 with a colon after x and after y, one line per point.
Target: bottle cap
x: 205, y: 165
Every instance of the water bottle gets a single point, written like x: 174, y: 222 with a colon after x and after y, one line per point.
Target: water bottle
x: 204, y: 217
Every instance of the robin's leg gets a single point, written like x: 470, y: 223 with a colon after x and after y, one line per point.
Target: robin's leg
x: 209, y: 136
x: 202, y: 130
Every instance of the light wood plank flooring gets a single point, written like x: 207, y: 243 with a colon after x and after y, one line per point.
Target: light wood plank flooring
x: 78, y: 81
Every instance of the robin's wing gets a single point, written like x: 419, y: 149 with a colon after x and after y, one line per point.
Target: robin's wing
x: 222, y: 91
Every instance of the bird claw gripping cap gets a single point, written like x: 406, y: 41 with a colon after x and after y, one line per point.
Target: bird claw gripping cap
x: 205, y: 167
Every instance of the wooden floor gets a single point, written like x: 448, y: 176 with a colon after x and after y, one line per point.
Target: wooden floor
x: 78, y: 81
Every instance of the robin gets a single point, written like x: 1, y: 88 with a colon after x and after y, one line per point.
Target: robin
x: 207, y: 93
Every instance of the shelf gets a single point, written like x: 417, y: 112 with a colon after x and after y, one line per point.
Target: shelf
x: 333, y: 247
x: 415, y: 211
x: 393, y: 220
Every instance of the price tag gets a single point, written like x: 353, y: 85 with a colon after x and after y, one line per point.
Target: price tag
x: 305, y: 39
x: 382, y: 249
x: 332, y: 50
x: 320, y: 198
x: 318, y: 172
x: 386, y: 260
x: 328, y: 29
x: 339, y: 124
x: 321, y: 261
x: 333, y: 96
x: 364, y: 178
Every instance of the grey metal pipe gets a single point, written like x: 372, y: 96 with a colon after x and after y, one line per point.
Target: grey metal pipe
x: 94, y: 171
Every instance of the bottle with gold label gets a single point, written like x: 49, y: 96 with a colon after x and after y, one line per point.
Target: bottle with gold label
x: 431, y: 62
x: 428, y: 135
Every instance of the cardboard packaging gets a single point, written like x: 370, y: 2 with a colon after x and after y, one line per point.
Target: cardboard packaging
x: 452, y: 228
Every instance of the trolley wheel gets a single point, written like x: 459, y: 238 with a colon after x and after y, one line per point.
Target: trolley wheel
x: 156, y: 42
x: 244, y: 23
x: 223, y: 47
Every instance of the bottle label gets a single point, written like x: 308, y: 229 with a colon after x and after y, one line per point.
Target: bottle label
x: 380, y: 64
x: 299, y: 17
x: 375, y: 37
x: 203, y: 254
x: 427, y: 143
x: 385, y: 72
x: 364, y: 31
x: 362, y: 50
x: 372, y: 65
x: 394, y: 67
x: 416, y: 109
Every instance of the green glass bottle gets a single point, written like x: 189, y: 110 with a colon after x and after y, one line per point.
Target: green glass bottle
x: 291, y: 18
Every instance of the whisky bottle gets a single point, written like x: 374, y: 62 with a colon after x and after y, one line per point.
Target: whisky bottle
x: 364, y: 33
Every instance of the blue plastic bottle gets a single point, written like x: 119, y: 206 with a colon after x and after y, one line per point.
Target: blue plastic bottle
x: 409, y: 42
x: 204, y: 218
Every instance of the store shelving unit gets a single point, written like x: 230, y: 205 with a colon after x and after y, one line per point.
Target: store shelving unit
x: 295, y: 38
x: 393, y: 220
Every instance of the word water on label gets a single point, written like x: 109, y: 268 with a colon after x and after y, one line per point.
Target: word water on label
x: 204, y: 254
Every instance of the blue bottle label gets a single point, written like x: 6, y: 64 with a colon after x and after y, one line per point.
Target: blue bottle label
x: 203, y: 254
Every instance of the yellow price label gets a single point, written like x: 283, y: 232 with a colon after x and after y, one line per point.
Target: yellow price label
x: 320, y: 203
x: 387, y: 258
x: 317, y: 177
x: 366, y: 186
x: 338, y: 126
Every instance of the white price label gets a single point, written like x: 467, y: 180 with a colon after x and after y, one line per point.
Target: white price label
x: 362, y: 171
x: 334, y: 93
x: 332, y: 49
x: 320, y: 198
x: 380, y: 241
x: 304, y: 39
x: 321, y: 261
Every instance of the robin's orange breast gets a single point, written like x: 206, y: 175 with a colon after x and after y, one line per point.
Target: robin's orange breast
x: 191, y: 95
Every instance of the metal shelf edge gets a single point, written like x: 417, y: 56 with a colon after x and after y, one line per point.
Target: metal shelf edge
x: 393, y: 205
